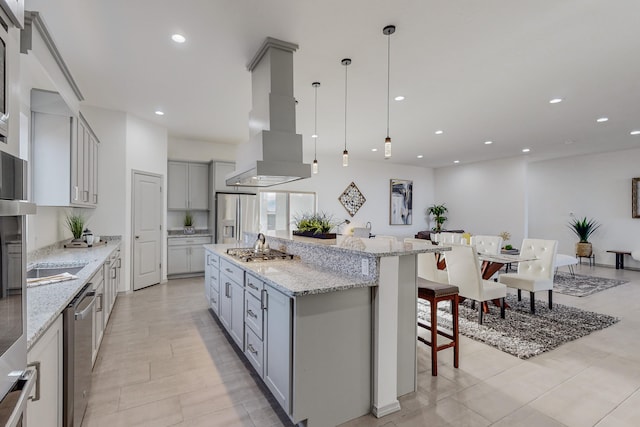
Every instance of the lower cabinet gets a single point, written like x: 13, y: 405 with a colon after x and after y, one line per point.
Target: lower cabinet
x: 186, y: 255
x: 98, y: 312
x: 237, y: 314
x: 278, y: 333
x: 45, y: 409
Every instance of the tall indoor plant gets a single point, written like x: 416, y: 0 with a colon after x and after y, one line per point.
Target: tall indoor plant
x: 583, y: 228
x: 75, y: 223
x: 438, y: 212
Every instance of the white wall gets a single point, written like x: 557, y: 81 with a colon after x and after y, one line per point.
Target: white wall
x: 146, y: 151
x: 596, y: 186
x: 485, y: 198
x: 199, y: 151
x: 536, y: 199
x: 373, y: 181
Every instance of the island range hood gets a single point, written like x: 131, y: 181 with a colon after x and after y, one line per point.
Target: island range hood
x: 273, y: 154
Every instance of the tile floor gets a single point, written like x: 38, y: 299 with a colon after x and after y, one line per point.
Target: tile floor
x: 165, y: 362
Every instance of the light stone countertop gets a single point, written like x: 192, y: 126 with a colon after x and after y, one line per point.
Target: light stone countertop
x: 46, y: 302
x: 295, y: 277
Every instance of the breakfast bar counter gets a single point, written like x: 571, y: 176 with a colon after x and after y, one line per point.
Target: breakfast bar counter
x: 351, y: 325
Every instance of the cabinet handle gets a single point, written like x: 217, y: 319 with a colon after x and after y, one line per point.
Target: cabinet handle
x: 75, y: 189
x: 214, y: 300
x: 36, y: 366
x: 263, y: 299
x: 101, y: 296
x: 252, y: 349
x: 227, y: 285
x: 113, y: 273
x: 252, y: 286
x: 85, y: 193
x: 95, y: 199
x: 252, y: 314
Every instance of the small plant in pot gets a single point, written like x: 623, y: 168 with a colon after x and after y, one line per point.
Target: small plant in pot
x: 438, y: 211
x: 316, y: 225
x: 188, y: 223
x: 75, y: 223
x: 583, y: 228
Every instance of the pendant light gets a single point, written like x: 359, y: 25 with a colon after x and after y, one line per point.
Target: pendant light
x: 387, y: 31
x: 314, y: 166
x: 345, y: 154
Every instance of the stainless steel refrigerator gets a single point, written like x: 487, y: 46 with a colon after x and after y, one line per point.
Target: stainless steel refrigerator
x: 236, y: 213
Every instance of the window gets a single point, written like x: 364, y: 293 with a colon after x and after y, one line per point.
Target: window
x: 278, y: 209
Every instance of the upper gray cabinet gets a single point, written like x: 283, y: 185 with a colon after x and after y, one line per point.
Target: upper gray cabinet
x: 14, y: 10
x: 188, y: 186
x: 65, y: 154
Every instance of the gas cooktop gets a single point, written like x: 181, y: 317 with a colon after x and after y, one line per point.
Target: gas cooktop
x: 248, y: 254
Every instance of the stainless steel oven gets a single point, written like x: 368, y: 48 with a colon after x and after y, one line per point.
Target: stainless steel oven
x: 13, y: 306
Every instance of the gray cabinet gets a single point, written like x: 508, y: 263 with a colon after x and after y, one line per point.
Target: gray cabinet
x: 186, y: 255
x: 97, y: 282
x: 65, y: 154
x: 278, y: 332
x: 232, y: 301
x: 212, y: 281
x: 188, y: 186
x: 47, y: 352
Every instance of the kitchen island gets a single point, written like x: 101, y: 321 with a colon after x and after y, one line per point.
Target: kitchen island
x: 332, y: 333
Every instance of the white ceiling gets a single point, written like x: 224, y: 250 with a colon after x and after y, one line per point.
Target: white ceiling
x: 479, y: 70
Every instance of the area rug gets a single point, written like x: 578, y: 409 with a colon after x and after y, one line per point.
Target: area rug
x: 521, y: 333
x: 581, y: 286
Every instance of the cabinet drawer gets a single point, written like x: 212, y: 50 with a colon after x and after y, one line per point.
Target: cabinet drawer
x: 254, y: 351
x: 215, y: 301
x: 254, y: 286
x: 253, y: 314
x: 184, y: 241
x: 215, y: 281
x: 213, y: 260
x: 234, y: 272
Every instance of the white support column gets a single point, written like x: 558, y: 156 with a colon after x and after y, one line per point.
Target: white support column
x: 385, y: 339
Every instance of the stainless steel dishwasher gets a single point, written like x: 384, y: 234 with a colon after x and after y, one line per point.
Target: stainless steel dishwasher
x: 77, y: 324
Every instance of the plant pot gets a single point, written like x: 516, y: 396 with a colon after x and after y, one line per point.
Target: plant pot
x: 584, y: 249
x: 189, y: 230
x: 314, y: 235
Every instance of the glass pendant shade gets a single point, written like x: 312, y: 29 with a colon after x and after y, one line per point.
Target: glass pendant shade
x: 345, y: 158
x: 387, y: 147
x: 314, y: 166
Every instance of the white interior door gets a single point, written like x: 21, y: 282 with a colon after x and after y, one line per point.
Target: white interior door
x: 147, y: 230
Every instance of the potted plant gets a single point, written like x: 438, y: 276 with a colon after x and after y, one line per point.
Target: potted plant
x: 438, y: 212
x: 188, y: 223
x: 583, y: 228
x: 316, y: 225
x: 75, y: 223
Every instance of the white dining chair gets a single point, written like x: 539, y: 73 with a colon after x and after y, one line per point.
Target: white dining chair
x: 427, y: 266
x: 464, y: 271
x: 537, y: 275
x: 487, y: 244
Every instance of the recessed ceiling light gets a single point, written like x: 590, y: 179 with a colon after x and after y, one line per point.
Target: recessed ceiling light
x: 488, y: 142
x: 526, y: 150
x: 439, y: 132
x: 419, y: 156
x: 159, y: 113
x: 456, y: 161
x: 374, y: 149
x: 178, y: 38
x: 602, y: 119
x: 399, y: 98
x: 314, y: 136
x: 555, y: 101
x: 634, y: 132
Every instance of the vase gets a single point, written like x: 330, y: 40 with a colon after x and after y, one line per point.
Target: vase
x: 188, y: 229
x: 584, y: 249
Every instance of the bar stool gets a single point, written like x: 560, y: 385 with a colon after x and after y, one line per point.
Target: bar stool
x: 434, y: 292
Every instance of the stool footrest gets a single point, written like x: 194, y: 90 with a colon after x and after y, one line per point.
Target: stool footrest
x: 441, y: 347
x: 427, y: 327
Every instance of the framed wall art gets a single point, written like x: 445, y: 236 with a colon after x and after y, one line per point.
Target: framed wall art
x: 635, y: 200
x: 352, y: 199
x: 401, y: 200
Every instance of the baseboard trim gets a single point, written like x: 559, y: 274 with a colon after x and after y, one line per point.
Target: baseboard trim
x: 387, y: 409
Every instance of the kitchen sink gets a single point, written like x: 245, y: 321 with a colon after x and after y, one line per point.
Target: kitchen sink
x: 37, y: 272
